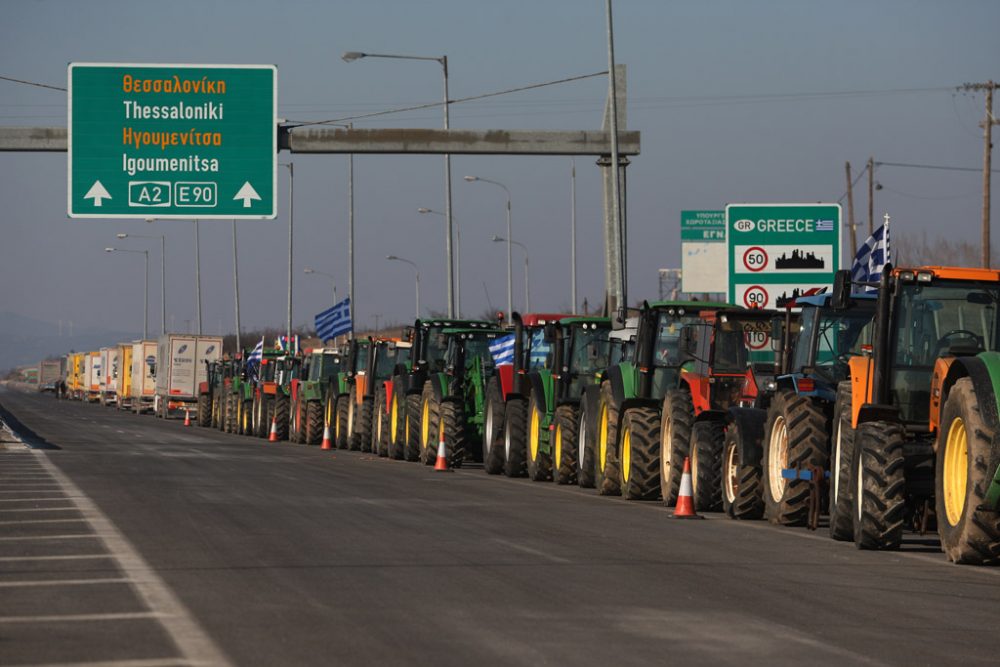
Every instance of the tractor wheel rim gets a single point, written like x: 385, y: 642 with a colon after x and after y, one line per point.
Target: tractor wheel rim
x: 557, y: 447
x: 393, y: 428
x: 778, y: 459
x: 581, y: 454
x: 626, y: 451
x: 955, y: 474
x: 425, y: 424
x: 488, y: 430
x: 838, y: 444
x: 730, y: 478
x: 666, y: 432
x: 694, y: 471
x: 603, y: 455
x: 536, y: 425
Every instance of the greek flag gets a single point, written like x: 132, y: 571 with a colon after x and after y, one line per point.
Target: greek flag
x: 253, y: 361
x: 824, y: 225
x: 871, y: 257
x: 540, y: 350
x: 334, y: 321
x: 502, y: 349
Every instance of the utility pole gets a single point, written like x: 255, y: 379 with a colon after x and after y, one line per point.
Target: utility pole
x: 850, y: 215
x: 987, y: 125
x: 871, y: 196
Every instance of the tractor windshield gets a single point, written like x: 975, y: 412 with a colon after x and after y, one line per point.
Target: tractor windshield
x: 667, y: 355
x: 478, y: 347
x: 436, y: 347
x: 323, y: 366
x: 386, y: 359
x: 267, y: 368
x: 589, y: 354
x: 539, y: 350
x: 943, y: 318
x: 361, y: 358
x: 828, y: 338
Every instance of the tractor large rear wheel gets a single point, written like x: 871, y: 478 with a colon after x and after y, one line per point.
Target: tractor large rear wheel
x: 258, y: 427
x: 676, y: 418
x: 564, y: 464
x: 741, y: 484
x: 515, y: 427
x: 412, y: 430
x: 879, y: 486
x: 539, y: 461
x: 795, y: 438
x: 707, y: 438
x: 493, y: 450
x: 314, y: 423
x: 607, y: 473
x: 452, y: 429
x: 380, y: 430
x: 363, y: 426
x: 204, y: 410
x: 968, y: 535
x: 586, y: 439
x: 640, y: 466
x: 280, y: 415
x: 343, y: 412
x: 841, y: 464
x: 430, y: 410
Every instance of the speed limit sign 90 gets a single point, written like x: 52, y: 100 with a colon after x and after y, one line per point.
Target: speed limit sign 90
x: 755, y: 296
x: 755, y: 259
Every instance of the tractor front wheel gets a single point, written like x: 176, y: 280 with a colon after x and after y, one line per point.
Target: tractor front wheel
x: 841, y: 464
x: 607, y: 475
x: 493, y: 450
x: 314, y: 423
x: 707, y: 438
x: 676, y: 418
x: 564, y: 445
x: 452, y: 429
x: 429, y: 414
x: 204, y: 410
x: 741, y: 484
x: 879, y: 486
x: 515, y: 426
x: 586, y: 438
x: 795, y: 439
x: 637, y: 447
x: 412, y: 428
x: 539, y: 461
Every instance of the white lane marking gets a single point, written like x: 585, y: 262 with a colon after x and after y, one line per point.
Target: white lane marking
x: 18, y: 559
x: 16, y: 522
x: 148, y: 662
x: 61, y: 582
x: 533, y: 552
x: 33, y: 500
x: 74, y: 536
x: 74, y: 618
x: 38, y: 509
x: 192, y: 642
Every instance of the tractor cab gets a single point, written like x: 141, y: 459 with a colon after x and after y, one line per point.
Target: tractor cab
x: 582, y: 352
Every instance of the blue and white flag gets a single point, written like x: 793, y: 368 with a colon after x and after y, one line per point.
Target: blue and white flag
x: 335, y: 321
x: 540, y: 350
x: 871, y: 257
x: 824, y: 225
x: 253, y: 361
x: 502, y: 349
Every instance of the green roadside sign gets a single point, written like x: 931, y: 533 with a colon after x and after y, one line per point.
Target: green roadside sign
x: 707, y: 226
x: 777, y: 252
x: 172, y: 141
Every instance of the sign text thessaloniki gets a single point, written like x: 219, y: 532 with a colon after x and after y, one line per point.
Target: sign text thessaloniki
x: 172, y: 141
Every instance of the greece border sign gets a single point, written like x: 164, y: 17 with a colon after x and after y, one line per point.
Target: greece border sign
x: 172, y: 141
x: 780, y: 251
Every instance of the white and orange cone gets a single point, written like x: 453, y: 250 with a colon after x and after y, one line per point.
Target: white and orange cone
x: 273, y: 435
x: 442, y: 457
x: 187, y: 417
x: 685, y: 499
x: 326, y: 437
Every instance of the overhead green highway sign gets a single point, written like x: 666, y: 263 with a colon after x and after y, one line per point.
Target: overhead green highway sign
x: 172, y: 141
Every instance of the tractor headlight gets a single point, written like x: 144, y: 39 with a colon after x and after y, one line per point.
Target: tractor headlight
x: 925, y: 277
x: 906, y: 276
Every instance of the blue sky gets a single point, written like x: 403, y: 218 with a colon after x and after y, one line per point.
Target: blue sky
x: 730, y: 98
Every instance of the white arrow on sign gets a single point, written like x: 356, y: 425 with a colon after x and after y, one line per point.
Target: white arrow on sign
x: 98, y: 193
x: 247, y: 193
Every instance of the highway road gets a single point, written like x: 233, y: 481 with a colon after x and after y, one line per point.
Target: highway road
x: 133, y: 542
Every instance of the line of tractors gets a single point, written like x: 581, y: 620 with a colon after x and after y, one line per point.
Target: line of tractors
x: 873, y: 405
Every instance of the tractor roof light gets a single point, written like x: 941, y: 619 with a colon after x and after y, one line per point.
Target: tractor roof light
x: 680, y: 311
x: 723, y: 318
x: 925, y: 277
x: 906, y: 276
x: 671, y: 312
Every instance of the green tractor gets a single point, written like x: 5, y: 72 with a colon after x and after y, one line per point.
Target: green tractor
x: 339, y: 396
x: 405, y: 389
x: 391, y: 358
x: 581, y: 353
x: 453, y: 400
x: 210, y: 393
x: 308, y: 394
x: 920, y: 419
x: 505, y: 437
x: 239, y: 400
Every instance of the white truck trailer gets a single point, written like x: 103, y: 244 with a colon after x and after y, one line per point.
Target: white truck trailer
x: 143, y: 382
x: 180, y: 368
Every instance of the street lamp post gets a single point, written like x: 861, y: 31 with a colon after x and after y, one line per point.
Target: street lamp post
x: 510, y: 281
x: 458, y: 260
x: 145, y: 291
x: 527, y: 290
x: 291, y: 224
x: 236, y: 287
x: 572, y: 238
x: 351, y: 56
x: 416, y: 270
x: 328, y: 275
x: 163, y: 273
x: 197, y: 270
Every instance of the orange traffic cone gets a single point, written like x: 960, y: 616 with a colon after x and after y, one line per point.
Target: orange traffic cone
x: 187, y: 417
x: 442, y: 458
x: 685, y: 501
x: 326, y: 437
x: 273, y: 436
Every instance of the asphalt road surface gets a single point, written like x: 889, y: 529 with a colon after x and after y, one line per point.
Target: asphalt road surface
x: 133, y: 542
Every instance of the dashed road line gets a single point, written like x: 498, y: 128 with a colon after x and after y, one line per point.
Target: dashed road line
x: 19, y: 559
x: 78, y: 618
x: 62, y: 582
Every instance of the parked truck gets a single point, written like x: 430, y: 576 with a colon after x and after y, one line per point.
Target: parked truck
x: 109, y: 379
x: 179, y: 370
x: 49, y: 374
x: 123, y: 398
x: 142, y: 379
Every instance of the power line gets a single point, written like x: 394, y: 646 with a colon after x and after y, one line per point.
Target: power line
x: 32, y: 83
x: 455, y: 101
x: 931, y: 166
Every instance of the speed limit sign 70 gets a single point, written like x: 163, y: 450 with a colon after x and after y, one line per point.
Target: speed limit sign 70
x: 755, y: 296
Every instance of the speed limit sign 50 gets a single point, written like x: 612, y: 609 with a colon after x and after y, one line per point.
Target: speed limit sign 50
x: 755, y: 259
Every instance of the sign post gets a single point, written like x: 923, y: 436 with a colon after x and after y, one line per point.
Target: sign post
x: 781, y: 251
x: 172, y: 141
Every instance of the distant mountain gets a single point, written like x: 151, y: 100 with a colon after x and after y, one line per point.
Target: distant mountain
x: 24, y: 340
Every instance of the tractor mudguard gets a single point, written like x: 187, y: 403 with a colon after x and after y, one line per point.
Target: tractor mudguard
x: 700, y: 391
x: 416, y: 380
x: 505, y: 373
x: 636, y: 402
x: 984, y: 370
x: 439, y: 385
x: 622, y: 383
x: 388, y: 384
x: 541, y: 385
x: 751, y: 423
x: 203, y: 388
x: 710, y: 416
x: 861, y: 369
x: 870, y: 412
